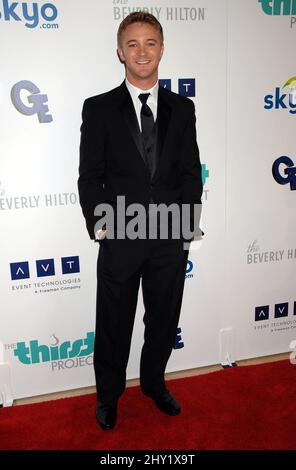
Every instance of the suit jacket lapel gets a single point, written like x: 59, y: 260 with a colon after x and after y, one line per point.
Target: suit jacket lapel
x: 164, y: 112
x: 163, y: 121
x: 130, y: 117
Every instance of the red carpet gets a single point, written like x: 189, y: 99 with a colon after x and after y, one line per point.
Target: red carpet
x: 251, y: 407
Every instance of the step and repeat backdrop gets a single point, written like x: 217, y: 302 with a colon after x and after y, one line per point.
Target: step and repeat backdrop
x: 234, y: 59
x: 261, y: 177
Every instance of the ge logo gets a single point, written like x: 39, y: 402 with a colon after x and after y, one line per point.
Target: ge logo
x: 289, y: 172
x: 36, y: 99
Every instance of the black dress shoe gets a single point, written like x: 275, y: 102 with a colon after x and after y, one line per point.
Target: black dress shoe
x: 106, y: 416
x: 167, y: 403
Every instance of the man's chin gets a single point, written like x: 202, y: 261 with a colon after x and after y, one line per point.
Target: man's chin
x: 144, y: 75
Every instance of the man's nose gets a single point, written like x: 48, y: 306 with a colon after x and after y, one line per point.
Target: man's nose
x: 142, y: 49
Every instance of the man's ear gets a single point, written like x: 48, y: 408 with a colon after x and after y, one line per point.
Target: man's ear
x: 120, y: 54
x: 162, y: 49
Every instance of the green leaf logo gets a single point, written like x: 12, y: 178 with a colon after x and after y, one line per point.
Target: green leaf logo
x: 291, y: 83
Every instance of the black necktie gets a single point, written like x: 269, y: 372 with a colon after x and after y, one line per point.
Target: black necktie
x: 147, y: 120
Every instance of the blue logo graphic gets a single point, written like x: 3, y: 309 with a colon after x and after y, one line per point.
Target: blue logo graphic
x: 281, y: 310
x: 34, y: 353
x: 36, y: 99
x: 189, y: 267
x: 278, y: 7
x: 189, y: 270
x: 45, y: 267
x: 166, y: 83
x: 262, y: 313
x: 70, y: 265
x: 204, y: 173
x: 187, y: 87
x: 289, y: 176
x: 15, y: 11
x: 19, y: 270
x: 178, y: 342
x: 281, y: 101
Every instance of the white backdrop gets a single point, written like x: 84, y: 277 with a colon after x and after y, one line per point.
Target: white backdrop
x: 47, y: 316
x: 261, y: 213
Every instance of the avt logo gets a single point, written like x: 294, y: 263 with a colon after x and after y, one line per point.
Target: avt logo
x: 281, y: 100
x: 186, y: 86
x: 34, y: 353
x: 278, y: 7
x: 36, y: 99
x: 31, y: 13
x: 284, y: 172
x: 279, y: 311
x: 165, y: 83
x: 44, y: 268
x: 262, y: 313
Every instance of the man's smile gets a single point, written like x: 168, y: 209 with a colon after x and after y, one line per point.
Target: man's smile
x: 143, y: 62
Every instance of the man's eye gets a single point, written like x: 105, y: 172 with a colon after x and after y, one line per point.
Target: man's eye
x: 132, y: 45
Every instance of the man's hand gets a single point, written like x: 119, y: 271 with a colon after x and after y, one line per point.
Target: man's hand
x: 100, y: 234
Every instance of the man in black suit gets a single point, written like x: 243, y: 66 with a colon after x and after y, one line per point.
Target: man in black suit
x: 137, y: 141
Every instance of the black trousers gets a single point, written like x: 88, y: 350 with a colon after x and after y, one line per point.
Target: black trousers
x: 161, y: 265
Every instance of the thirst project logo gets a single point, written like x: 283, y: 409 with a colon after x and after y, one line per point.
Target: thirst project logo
x: 280, y: 8
x: 60, y: 354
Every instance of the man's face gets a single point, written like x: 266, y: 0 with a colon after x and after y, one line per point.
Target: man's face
x: 141, y: 49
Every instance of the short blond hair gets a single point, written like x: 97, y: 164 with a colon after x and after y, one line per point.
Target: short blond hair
x: 139, y: 17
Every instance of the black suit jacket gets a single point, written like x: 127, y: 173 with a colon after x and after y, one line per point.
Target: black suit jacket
x: 112, y: 162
